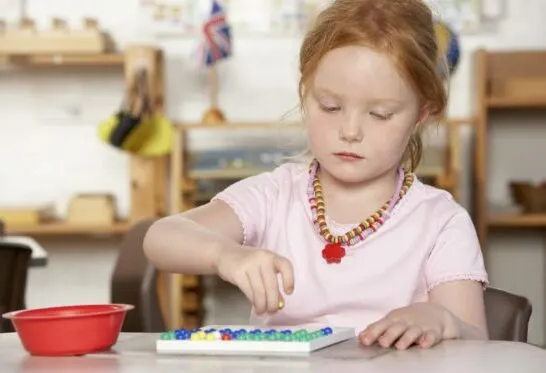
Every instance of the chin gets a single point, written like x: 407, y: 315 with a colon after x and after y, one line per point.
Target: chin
x: 349, y: 174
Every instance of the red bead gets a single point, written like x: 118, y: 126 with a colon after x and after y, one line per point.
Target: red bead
x: 333, y: 253
x: 226, y: 337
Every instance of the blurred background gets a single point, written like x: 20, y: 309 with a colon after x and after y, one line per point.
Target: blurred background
x: 115, y: 112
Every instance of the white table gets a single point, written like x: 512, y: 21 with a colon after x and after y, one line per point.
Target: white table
x: 39, y: 255
x: 135, y: 353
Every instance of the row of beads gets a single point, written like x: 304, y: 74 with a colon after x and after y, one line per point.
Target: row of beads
x: 286, y: 335
x: 357, y: 234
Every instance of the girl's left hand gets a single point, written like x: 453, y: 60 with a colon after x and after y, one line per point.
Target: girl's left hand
x: 424, y: 324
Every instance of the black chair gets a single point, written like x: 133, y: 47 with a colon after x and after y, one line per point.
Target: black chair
x: 14, y: 263
x: 507, y: 314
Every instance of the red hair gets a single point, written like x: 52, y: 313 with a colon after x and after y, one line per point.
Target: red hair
x: 402, y: 29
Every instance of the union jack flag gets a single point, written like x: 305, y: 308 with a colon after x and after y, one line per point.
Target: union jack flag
x: 217, y: 35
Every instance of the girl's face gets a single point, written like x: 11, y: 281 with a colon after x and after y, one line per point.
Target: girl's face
x: 360, y: 114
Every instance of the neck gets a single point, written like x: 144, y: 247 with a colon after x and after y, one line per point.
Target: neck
x: 350, y: 203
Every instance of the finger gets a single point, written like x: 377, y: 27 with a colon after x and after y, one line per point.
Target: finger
x: 258, y: 290
x: 429, y: 339
x: 284, y: 267
x: 246, y: 288
x: 271, y: 284
x: 370, y: 335
x: 392, y: 334
x: 412, y: 335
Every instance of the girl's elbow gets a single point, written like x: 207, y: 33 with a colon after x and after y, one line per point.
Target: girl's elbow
x: 150, y: 244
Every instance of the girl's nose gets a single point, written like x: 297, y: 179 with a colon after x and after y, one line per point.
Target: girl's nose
x: 351, y: 130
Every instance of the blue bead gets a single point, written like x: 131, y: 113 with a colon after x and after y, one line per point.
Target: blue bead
x: 326, y: 331
x: 286, y: 331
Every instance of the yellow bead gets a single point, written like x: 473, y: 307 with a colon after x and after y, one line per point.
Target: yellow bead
x: 211, y: 337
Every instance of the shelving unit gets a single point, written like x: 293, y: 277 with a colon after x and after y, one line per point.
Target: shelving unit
x: 441, y: 168
x: 64, y: 229
x: 64, y: 60
x: 147, y: 175
x: 506, y: 80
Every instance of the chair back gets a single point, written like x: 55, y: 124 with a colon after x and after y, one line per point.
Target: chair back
x: 14, y: 262
x: 507, y: 315
x: 134, y: 281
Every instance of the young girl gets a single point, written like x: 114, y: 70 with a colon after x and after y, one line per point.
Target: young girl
x: 353, y: 238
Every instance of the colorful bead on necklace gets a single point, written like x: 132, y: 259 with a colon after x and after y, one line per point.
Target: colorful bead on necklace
x: 334, y: 250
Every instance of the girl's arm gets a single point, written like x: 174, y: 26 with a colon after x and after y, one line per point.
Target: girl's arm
x: 190, y: 243
x: 465, y: 303
x: 208, y: 240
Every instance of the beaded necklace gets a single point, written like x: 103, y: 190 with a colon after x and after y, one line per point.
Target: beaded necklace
x: 333, y: 250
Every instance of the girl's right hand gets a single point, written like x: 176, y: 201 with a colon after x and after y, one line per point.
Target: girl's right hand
x: 255, y: 271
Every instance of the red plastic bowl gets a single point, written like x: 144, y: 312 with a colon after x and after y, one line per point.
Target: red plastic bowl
x: 69, y: 330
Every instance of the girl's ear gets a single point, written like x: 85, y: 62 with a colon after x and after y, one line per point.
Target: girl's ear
x: 424, y: 115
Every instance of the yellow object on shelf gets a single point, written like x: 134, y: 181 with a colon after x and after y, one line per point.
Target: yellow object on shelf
x: 151, y: 136
x: 23, y: 215
x: 91, y: 209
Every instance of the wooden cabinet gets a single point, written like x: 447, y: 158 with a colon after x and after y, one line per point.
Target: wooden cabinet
x: 505, y: 81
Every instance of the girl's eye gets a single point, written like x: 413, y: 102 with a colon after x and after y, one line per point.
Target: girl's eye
x: 329, y: 109
x: 381, y: 116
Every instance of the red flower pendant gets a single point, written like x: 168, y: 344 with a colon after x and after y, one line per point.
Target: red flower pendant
x: 333, y: 252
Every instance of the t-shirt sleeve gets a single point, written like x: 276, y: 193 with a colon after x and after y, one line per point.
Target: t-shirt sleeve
x: 456, y: 254
x: 253, y: 200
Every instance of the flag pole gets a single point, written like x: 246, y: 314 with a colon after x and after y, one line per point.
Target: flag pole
x: 213, y: 85
x: 213, y: 115
x: 218, y: 36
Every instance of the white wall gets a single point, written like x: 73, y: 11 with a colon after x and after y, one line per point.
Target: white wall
x: 49, y: 151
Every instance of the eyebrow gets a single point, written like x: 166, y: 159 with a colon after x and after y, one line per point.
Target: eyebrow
x: 327, y: 91
x: 387, y: 101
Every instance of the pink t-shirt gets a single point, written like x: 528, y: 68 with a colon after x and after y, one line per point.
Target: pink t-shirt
x: 429, y: 239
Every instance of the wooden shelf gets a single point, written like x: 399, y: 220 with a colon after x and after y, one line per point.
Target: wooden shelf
x: 227, y: 174
x: 62, y: 228
x: 518, y: 220
x: 87, y: 60
x: 504, y: 80
x: 228, y: 126
x: 512, y: 102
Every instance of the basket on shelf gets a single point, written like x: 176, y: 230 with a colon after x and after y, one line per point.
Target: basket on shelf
x: 531, y: 197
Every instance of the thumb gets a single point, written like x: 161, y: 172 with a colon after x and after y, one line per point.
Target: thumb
x: 284, y: 267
